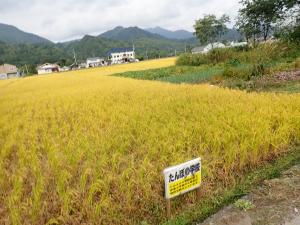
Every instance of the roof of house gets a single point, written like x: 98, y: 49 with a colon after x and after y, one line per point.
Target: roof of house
x: 47, y: 66
x: 120, y: 50
x: 198, y: 49
x: 7, y: 68
x: 93, y: 59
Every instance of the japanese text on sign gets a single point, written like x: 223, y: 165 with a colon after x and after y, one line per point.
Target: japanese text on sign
x: 182, y: 178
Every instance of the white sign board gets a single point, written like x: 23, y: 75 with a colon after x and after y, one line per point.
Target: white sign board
x: 182, y: 178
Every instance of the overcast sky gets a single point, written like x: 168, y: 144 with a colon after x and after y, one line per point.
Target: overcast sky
x: 60, y: 20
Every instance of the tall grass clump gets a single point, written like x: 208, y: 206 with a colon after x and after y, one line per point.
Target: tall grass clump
x: 213, y: 57
x: 85, y: 148
x: 262, y: 54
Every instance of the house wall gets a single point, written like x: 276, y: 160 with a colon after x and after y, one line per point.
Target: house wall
x: 94, y: 63
x: 120, y: 56
x: 12, y: 75
x: 44, y: 71
x: 3, y: 76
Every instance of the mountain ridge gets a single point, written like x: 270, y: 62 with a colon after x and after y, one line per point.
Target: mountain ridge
x: 129, y: 33
x: 177, y: 34
x: 13, y: 35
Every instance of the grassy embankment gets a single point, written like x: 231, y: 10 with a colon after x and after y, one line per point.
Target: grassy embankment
x: 242, y: 68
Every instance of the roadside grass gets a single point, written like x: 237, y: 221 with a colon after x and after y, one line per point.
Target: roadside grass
x: 208, y: 206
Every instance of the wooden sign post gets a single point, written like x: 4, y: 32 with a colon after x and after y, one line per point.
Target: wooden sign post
x: 181, y: 179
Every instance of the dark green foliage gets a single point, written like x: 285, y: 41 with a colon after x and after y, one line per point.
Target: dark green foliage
x: 89, y: 46
x: 155, y: 74
x: 193, y: 78
x: 213, y: 57
x: 240, y: 68
x: 209, y: 29
x: 244, y: 72
x: 28, y: 70
x: 192, y: 60
x: 176, y: 74
x: 33, y: 54
x: 259, y: 18
x: 263, y: 54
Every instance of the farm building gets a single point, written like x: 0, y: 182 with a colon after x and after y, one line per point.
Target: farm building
x: 8, y: 71
x: 207, y: 48
x: 95, y: 62
x: 47, y: 68
x: 197, y: 50
x: 238, y: 44
x: 122, y: 55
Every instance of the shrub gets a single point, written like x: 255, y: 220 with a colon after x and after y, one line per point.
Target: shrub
x: 297, y: 64
x: 263, y: 54
x: 245, y: 72
x: 244, y: 204
x: 192, y: 59
x: 234, y: 62
x: 213, y: 57
x: 258, y: 70
x: 221, y: 55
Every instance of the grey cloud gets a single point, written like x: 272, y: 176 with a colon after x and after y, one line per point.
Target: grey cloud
x: 67, y: 19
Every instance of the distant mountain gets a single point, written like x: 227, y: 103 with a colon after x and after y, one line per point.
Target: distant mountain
x: 12, y: 35
x: 129, y: 33
x: 145, y: 45
x: 90, y: 46
x: 232, y: 35
x: 178, y: 34
x: 18, y: 47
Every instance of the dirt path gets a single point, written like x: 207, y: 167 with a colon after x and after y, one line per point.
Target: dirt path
x: 276, y: 202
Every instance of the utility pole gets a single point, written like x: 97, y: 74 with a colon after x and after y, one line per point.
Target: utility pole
x: 147, y: 53
x: 133, y: 49
x: 75, y: 59
x: 26, y: 69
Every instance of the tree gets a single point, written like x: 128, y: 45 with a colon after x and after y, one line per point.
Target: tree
x: 289, y: 26
x: 248, y: 26
x: 259, y: 17
x: 210, y: 29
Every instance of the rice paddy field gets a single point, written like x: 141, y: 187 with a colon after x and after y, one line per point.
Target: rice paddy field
x: 86, y: 148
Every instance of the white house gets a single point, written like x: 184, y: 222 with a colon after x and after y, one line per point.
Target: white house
x: 64, y: 69
x: 95, y: 62
x: 209, y: 47
x: 8, y: 71
x: 238, y: 44
x: 122, y: 55
x: 47, y: 68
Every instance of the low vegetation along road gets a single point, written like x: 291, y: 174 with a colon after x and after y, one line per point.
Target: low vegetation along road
x: 276, y: 202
